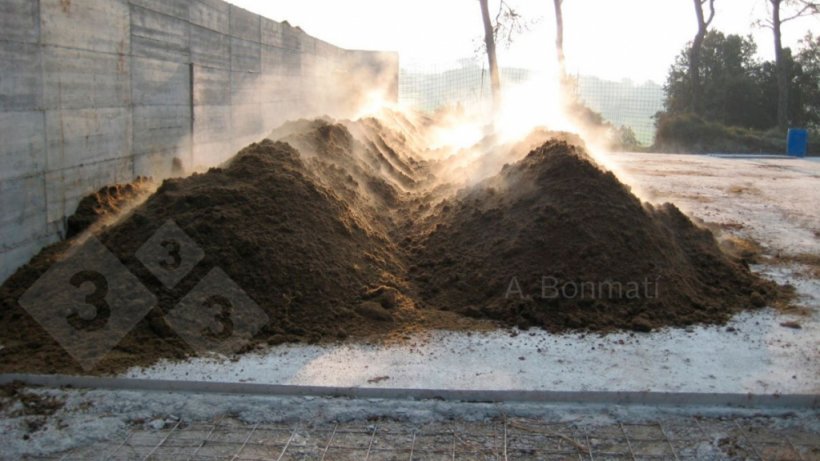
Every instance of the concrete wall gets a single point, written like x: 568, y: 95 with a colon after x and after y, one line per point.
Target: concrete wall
x: 95, y: 92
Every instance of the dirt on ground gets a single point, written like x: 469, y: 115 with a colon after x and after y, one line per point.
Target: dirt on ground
x: 17, y: 399
x: 350, y: 230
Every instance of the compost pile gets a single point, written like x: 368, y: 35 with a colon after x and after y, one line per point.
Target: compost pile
x: 556, y: 242
x: 339, y: 229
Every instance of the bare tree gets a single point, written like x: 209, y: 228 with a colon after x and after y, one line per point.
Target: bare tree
x: 559, y: 39
x: 489, y: 44
x: 696, y: 92
x: 800, y: 8
x: 508, y: 23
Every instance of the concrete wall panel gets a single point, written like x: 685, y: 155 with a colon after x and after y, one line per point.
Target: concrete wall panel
x: 212, y: 136
x: 20, y: 21
x: 308, y: 66
x: 98, y: 25
x: 22, y: 209
x: 245, y: 25
x: 158, y: 36
x: 161, y: 129
x: 77, y: 79
x: 246, y: 120
x: 212, y: 124
x: 159, y: 164
x: 273, y: 59
x: 158, y: 82
x: 245, y: 87
x: 291, y: 63
x: 86, y: 136
x: 264, y: 90
x: 245, y: 56
x: 21, y: 82
x: 211, y: 14
x: 55, y: 197
x: 283, y: 35
x: 175, y: 8
x: 209, y: 48
x: 326, y: 50
x: 291, y: 37
x: 308, y: 43
x: 270, y: 32
x: 212, y: 87
x: 23, y: 146
x: 277, y: 88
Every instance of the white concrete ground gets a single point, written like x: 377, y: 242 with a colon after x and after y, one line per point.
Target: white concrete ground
x: 126, y: 425
x: 773, y: 201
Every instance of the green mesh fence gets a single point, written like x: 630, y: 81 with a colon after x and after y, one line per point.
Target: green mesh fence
x: 624, y: 103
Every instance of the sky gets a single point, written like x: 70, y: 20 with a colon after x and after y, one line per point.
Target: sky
x: 611, y: 39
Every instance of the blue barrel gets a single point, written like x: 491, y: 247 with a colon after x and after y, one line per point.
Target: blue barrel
x: 797, y: 142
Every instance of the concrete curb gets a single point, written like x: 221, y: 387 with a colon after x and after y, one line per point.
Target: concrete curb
x: 755, y: 156
x: 686, y: 399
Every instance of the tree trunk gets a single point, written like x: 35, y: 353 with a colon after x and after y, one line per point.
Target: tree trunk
x: 559, y: 40
x: 696, y: 92
x: 489, y: 42
x: 782, y: 72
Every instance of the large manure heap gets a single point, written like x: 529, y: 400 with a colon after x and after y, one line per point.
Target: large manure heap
x: 338, y: 229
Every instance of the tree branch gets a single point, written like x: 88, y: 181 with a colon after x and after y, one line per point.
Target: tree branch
x: 711, y: 12
x: 809, y: 9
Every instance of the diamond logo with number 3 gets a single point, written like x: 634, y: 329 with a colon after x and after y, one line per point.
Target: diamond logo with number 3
x: 170, y: 254
x: 217, y: 315
x: 88, y: 302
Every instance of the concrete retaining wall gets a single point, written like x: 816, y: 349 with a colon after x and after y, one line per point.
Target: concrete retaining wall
x: 95, y: 92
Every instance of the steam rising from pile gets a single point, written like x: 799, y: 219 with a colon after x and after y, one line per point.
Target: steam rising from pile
x: 361, y: 228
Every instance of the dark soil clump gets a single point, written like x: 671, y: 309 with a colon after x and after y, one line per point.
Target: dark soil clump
x: 107, y: 201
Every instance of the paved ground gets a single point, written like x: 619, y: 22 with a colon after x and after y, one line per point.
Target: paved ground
x: 82, y: 424
x: 500, y: 439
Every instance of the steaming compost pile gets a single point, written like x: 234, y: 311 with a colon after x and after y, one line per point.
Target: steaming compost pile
x: 353, y: 229
x: 108, y: 201
x: 553, y: 241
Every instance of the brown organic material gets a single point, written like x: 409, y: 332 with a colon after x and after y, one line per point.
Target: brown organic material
x: 343, y: 230
x: 554, y: 241
x: 108, y: 201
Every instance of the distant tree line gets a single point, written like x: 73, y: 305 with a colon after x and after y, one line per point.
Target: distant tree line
x: 735, y: 89
x: 719, y: 97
